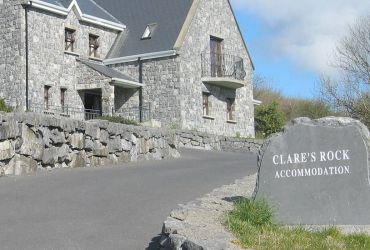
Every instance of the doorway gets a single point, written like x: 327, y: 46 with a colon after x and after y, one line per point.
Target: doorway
x: 93, y: 105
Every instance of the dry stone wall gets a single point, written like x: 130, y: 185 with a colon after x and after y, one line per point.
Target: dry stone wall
x: 30, y: 142
x: 200, y: 140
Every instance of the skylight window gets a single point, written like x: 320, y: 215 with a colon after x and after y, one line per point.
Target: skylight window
x: 149, y: 30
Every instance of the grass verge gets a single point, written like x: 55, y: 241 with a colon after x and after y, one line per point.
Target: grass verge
x: 253, y: 223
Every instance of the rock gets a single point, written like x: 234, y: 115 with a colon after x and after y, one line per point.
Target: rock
x: 9, y: 130
x: 104, y: 136
x: 93, y: 130
x: 179, y: 214
x: 78, y: 160
x: 77, y: 140
x: 100, y: 150
x: 22, y: 165
x: 55, y: 155
x: 89, y: 144
x: 143, y: 146
x: 57, y: 137
x: 6, y: 150
x: 32, y: 144
x: 189, y: 245
x: 314, y: 169
x: 123, y: 157
x: 115, y: 145
x: 126, y: 145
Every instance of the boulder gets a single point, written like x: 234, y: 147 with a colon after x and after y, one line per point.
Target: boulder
x: 6, y: 150
x: 77, y: 140
x: 32, y: 144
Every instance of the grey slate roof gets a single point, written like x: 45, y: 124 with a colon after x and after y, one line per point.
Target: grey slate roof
x: 107, y: 71
x: 169, y: 15
x: 89, y: 7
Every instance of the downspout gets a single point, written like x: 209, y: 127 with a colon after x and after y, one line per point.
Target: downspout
x: 140, y: 62
x: 26, y: 7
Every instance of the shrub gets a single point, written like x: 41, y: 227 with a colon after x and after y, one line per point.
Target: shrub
x: 118, y: 119
x: 269, y: 119
x: 4, y: 107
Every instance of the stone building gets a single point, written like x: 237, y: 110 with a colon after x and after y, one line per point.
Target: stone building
x: 181, y: 62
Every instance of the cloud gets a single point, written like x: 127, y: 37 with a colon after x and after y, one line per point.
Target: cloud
x: 305, y: 31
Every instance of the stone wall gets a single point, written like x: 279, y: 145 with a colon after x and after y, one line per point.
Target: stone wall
x: 200, y: 140
x: 12, y: 53
x: 214, y: 18
x: 200, y: 224
x: 31, y: 142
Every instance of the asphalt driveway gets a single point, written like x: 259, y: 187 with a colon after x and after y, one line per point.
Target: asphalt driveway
x: 109, y: 207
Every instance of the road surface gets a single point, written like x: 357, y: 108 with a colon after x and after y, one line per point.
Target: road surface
x: 109, y: 207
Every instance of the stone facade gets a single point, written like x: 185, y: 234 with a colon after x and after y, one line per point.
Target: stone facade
x: 51, y: 65
x: 12, y: 49
x: 162, y: 88
x: 173, y: 85
x: 214, y: 18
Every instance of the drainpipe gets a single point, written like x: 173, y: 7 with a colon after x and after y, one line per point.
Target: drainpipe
x: 26, y: 7
x: 140, y: 62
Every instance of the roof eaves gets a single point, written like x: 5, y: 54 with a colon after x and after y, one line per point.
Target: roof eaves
x: 84, y: 17
x: 126, y: 83
x: 241, y: 34
x: 145, y: 56
x: 185, y: 27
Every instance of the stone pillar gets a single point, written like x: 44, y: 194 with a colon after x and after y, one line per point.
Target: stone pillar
x: 107, y: 99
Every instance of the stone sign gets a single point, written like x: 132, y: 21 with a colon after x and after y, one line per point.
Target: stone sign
x: 317, y: 173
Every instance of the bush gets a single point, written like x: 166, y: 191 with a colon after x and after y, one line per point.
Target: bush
x: 118, y: 119
x: 269, y: 119
x: 4, y: 107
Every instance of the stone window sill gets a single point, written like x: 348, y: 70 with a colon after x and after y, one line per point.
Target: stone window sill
x: 208, y: 117
x: 95, y: 59
x: 231, y: 121
x: 71, y: 53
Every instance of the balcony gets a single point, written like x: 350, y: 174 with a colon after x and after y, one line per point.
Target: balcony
x: 223, y: 70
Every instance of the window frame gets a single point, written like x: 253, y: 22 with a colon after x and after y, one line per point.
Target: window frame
x: 47, y: 97
x: 150, y: 29
x: 69, y: 41
x: 63, y: 92
x: 230, y: 109
x: 94, y: 46
x: 206, y: 104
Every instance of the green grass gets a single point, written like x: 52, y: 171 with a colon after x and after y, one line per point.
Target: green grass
x: 118, y: 119
x: 253, y: 223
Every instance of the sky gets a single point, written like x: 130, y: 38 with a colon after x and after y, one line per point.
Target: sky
x: 292, y: 41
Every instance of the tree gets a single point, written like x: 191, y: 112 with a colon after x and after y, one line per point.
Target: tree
x: 269, y: 119
x: 349, y: 92
x: 292, y: 107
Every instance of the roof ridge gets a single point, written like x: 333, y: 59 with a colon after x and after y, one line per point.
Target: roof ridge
x: 105, y: 11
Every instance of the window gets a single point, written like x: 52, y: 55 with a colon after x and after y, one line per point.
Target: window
x: 93, y: 45
x: 206, y: 104
x: 149, y: 30
x: 69, y: 40
x: 230, y: 109
x: 216, y: 57
x: 46, y: 96
x: 62, y: 98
